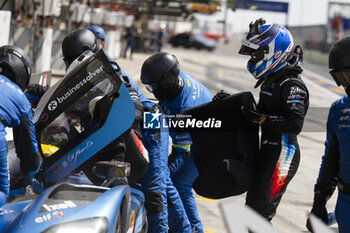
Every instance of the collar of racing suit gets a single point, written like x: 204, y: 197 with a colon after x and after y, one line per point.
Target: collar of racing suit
x: 287, y: 70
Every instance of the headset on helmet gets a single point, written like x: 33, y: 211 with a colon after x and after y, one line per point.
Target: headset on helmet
x: 270, y: 47
x: 98, y: 32
x: 15, y: 65
x: 160, y: 74
x: 339, y: 64
x: 75, y: 43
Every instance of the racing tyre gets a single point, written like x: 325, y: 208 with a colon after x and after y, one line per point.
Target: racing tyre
x: 119, y: 223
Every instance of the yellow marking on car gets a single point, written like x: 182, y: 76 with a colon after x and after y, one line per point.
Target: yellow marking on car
x: 205, y: 199
x: 206, y: 230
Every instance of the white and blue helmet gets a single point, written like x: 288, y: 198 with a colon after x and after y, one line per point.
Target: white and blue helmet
x: 270, y: 47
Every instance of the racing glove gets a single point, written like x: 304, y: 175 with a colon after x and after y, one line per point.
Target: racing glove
x: 30, y: 182
x: 222, y: 94
x: 32, y: 185
x: 34, y: 92
x: 178, y: 157
x: 322, y: 193
x: 251, y: 113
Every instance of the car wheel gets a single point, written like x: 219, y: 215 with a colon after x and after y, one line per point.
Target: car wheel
x: 119, y: 223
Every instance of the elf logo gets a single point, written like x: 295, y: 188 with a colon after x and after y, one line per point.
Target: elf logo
x: 65, y: 205
x: 47, y: 217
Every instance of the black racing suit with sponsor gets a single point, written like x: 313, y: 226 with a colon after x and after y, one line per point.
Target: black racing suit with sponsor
x: 284, y: 101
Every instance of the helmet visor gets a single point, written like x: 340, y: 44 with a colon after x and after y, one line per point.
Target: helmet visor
x: 342, y: 78
x: 256, y: 52
x: 248, y: 48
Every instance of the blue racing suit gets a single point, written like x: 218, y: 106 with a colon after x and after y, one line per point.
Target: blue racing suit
x: 181, y: 163
x: 160, y: 193
x: 335, y: 167
x: 16, y: 112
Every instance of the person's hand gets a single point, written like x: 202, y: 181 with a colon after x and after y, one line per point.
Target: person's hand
x: 36, y: 89
x: 34, y: 92
x: 32, y: 184
x: 322, y: 193
x: 319, y: 211
x: 251, y: 113
x: 222, y: 94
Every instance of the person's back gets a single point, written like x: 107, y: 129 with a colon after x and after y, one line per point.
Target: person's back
x: 14, y: 104
x: 160, y: 38
x: 129, y: 34
x: 193, y: 93
x: 130, y: 41
x: 16, y: 112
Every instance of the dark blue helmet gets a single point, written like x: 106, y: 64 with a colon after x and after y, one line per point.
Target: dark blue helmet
x: 98, y: 32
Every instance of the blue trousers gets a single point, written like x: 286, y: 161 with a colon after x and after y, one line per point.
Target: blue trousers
x: 183, y: 180
x: 4, y: 173
x: 342, y: 212
x: 159, y: 190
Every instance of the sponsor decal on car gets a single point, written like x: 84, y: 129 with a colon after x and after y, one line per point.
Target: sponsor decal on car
x: 64, y: 205
x: 48, y: 217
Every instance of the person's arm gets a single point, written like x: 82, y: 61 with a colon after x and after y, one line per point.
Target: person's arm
x: 294, y: 98
x: 26, y: 145
x: 34, y: 92
x: 181, y: 151
x: 328, y: 175
x: 145, y: 101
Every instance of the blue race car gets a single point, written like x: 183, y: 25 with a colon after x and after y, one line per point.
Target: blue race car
x: 75, y: 119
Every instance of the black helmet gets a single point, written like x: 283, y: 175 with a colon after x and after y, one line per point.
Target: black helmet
x: 15, y: 65
x: 160, y: 74
x: 339, y: 62
x: 75, y: 43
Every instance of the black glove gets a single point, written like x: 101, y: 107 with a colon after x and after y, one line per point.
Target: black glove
x: 34, y: 92
x: 36, y: 89
x: 321, y: 196
x: 222, y: 94
x: 320, y: 212
x: 251, y: 113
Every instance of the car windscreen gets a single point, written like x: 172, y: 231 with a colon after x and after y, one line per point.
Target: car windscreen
x: 80, y: 118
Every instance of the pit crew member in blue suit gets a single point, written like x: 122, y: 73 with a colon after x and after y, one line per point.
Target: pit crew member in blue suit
x: 176, y: 92
x: 335, y: 166
x: 100, y: 34
x: 16, y: 112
